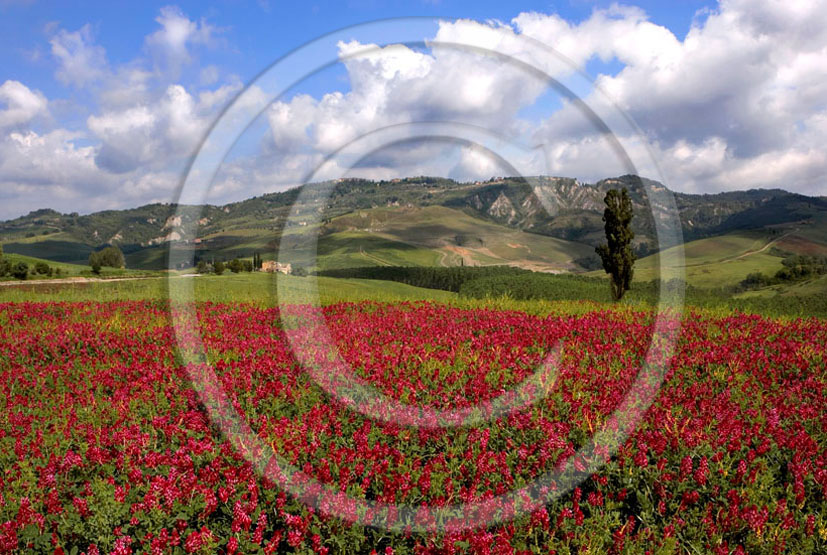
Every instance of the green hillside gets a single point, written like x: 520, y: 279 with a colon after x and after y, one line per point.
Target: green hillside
x: 451, y: 236
x: 66, y: 269
x: 542, y: 223
x: 719, y: 261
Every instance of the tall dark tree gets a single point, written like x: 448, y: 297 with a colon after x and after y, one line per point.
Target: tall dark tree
x: 617, y: 255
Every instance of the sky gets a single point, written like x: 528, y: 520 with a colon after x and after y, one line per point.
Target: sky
x: 106, y: 105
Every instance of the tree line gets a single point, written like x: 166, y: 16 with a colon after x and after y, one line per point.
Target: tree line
x: 21, y: 270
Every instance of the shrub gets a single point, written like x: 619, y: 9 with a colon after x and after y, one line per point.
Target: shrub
x: 20, y: 270
x: 235, y: 266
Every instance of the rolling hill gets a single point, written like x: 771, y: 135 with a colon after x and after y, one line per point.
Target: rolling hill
x: 543, y: 223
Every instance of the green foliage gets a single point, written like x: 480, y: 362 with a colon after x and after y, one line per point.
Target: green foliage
x: 218, y: 267
x: 5, y: 267
x: 247, y: 265
x: 617, y: 255
x: 111, y: 257
x: 533, y: 286
x: 202, y: 267
x: 796, y: 268
x: 299, y: 271
x: 20, y: 270
x: 95, y: 263
x: 235, y: 265
x: 42, y: 268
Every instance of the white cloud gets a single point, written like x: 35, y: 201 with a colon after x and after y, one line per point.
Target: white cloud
x: 733, y: 105
x: 155, y: 134
x: 22, y: 104
x: 171, y: 45
x: 80, y: 61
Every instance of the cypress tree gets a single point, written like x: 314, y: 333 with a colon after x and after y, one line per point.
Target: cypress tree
x: 617, y: 255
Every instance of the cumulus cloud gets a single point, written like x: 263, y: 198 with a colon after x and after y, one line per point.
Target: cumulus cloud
x: 736, y: 104
x: 80, y: 60
x: 150, y: 135
x: 21, y: 104
x: 171, y: 45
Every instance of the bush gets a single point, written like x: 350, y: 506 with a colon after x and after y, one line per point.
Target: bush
x: 42, y: 268
x: 202, y: 267
x: 235, y: 266
x: 20, y: 270
x: 95, y: 262
x: 111, y: 257
x: 218, y: 268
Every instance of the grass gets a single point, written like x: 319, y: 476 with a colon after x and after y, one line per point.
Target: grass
x: 347, y: 249
x: 68, y: 270
x: 256, y: 288
x: 809, y: 299
x: 716, y: 262
x: 58, y: 247
x: 455, y: 235
x: 807, y: 288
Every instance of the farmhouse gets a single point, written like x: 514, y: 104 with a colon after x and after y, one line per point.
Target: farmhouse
x: 271, y: 266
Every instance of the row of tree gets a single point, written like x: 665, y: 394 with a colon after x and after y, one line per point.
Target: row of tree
x: 235, y: 265
x: 22, y: 270
x: 796, y: 268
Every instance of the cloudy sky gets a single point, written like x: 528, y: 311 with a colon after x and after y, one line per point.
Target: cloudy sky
x: 104, y: 106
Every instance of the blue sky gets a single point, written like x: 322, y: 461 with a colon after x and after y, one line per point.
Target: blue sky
x: 102, y: 105
x: 257, y: 32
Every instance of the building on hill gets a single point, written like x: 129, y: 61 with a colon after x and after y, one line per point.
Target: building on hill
x: 271, y: 266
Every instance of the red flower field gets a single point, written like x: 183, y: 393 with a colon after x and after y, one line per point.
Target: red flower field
x: 106, y: 446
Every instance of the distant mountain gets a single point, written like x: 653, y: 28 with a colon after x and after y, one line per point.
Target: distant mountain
x: 474, y: 213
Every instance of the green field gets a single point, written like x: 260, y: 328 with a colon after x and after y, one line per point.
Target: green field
x: 799, y: 300
x: 257, y: 288
x: 716, y: 262
x: 67, y: 269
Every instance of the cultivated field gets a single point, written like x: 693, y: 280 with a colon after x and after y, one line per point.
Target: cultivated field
x: 106, y: 445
